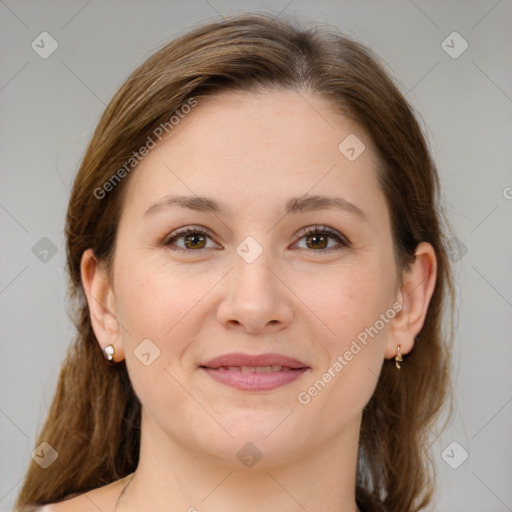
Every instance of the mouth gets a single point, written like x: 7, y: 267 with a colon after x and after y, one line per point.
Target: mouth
x: 263, y: 372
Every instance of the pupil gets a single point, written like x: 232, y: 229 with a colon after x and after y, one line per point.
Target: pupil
x: 194, y: 240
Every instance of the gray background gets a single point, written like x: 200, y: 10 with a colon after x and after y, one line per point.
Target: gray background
x: 49, y: 108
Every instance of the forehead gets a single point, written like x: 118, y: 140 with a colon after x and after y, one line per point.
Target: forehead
x: 259, y: 147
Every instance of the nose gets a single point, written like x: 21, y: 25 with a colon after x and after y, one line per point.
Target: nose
x: 255, y: 298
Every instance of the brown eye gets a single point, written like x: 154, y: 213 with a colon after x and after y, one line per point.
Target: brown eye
x: 189, y: 239
x: 317, y: 241
x: 195, y: 241
x: 322, y: 239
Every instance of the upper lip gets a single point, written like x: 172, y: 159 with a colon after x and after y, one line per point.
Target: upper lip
x: 240, y: 359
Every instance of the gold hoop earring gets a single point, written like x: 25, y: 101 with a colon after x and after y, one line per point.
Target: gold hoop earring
x: 398, y: 357
x: 109, y: 352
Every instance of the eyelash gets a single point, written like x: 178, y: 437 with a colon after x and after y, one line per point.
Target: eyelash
x: 313, y: 230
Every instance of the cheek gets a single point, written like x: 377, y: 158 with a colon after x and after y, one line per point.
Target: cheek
x: 158, y: 304
x: 359, y: 311
x: 347, y: 374
x: 167, y: 306
x: 347, y: 300
x: 355, y: 306
x: 154, y: 299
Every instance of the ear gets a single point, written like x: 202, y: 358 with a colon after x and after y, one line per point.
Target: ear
x: 101, y: 301
x: 415, y: 292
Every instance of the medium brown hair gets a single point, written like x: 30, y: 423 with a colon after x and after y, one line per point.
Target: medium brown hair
x: 94, y: 419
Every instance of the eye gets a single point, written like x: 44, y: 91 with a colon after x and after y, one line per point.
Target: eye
x: 190, y: 238
x: 317, y: 238
x: 320, y: 238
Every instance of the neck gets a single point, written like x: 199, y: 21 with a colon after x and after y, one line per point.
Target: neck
x: 172, y: 478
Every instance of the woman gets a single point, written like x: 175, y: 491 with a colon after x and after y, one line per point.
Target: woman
x: 256, y: 251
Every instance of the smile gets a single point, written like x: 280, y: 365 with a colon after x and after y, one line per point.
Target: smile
x: 247, y: 372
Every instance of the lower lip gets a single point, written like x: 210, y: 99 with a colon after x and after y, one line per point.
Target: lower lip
x: 255, y: 381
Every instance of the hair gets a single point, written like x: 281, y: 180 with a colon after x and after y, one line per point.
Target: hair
x: 94, y: 419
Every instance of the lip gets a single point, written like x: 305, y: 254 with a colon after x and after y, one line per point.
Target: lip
x: 240, y: 359
x: 242, y: 381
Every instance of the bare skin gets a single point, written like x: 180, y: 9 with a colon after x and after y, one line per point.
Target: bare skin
x: 306, y: 296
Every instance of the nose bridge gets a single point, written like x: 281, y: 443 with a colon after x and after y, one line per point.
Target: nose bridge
x: 251, y: 272
x: 254, y: 296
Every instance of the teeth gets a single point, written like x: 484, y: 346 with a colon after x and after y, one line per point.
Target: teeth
x: 263, y: 369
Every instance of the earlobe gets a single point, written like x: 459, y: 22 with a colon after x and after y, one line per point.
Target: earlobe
x: 415, y: 293
x: 101, y: 301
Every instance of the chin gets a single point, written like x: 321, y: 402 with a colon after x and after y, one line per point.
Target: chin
x: 259, y: 451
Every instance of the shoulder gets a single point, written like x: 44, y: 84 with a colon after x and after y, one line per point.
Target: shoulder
x: 102, y: 498
x: 77, y: 503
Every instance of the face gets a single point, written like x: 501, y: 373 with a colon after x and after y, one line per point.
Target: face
x: 265, y: 269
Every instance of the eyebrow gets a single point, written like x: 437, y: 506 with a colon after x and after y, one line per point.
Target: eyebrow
x: 294, y: 205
